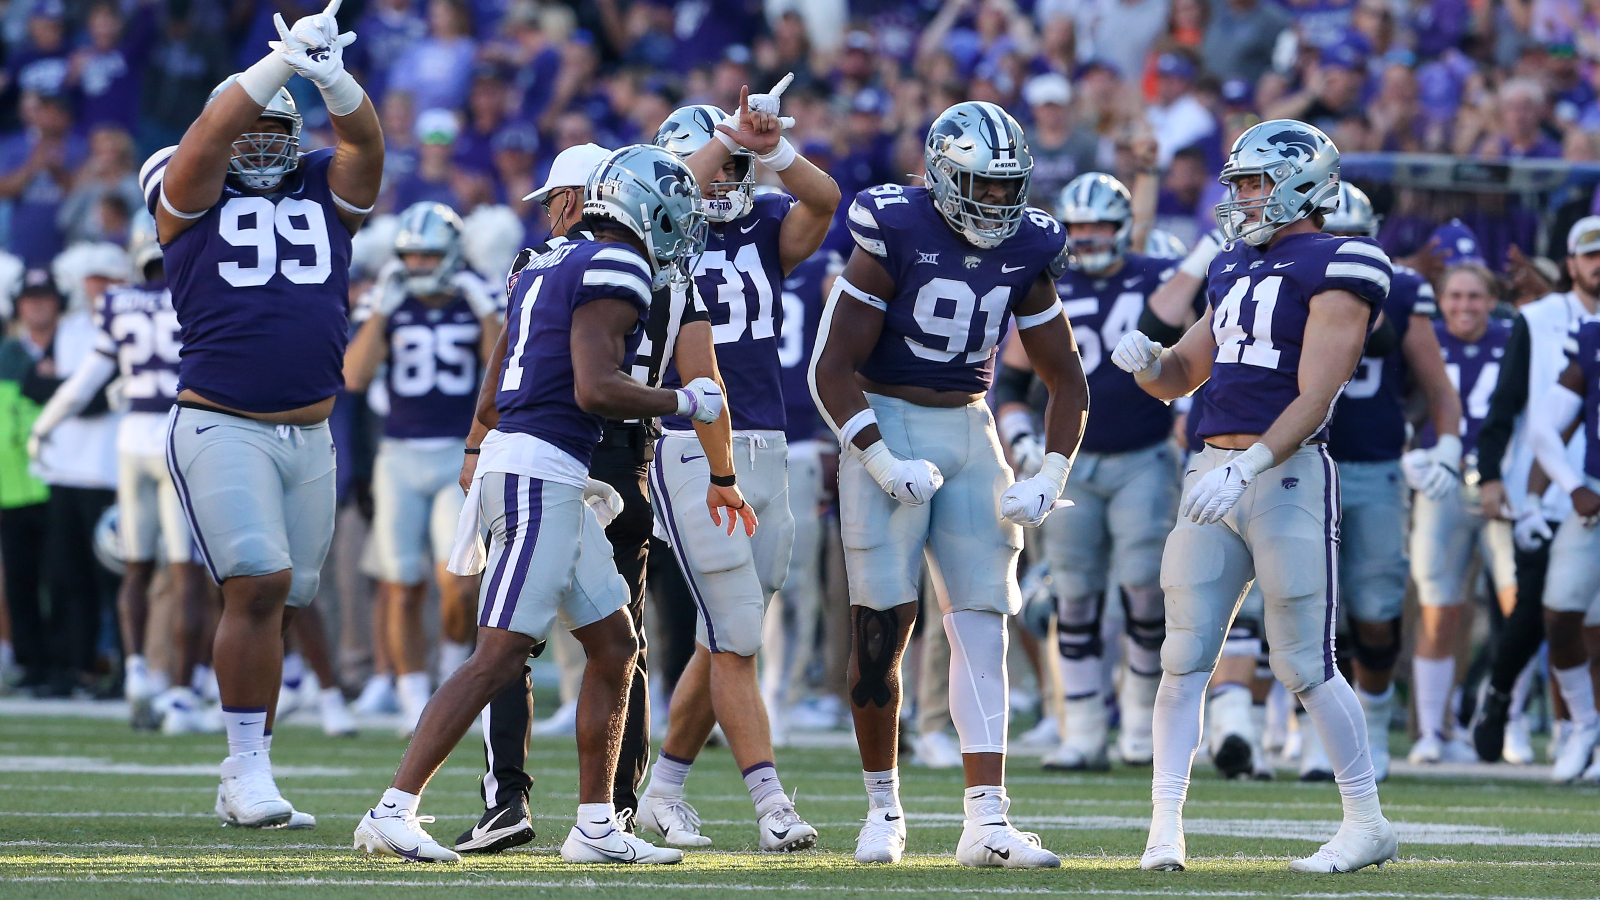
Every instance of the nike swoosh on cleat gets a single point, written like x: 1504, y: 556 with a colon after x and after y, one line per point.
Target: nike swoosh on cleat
x: 199, y: 430
x: 780, y: 835
x: 481, y: 829
x: 891, y: 818
x: 911, y: 489
x: 1003, y: 854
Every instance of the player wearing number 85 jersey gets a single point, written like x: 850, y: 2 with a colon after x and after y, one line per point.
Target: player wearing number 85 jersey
x: 257, y: 245
x: 1290, y: 309
x: 904, y: 357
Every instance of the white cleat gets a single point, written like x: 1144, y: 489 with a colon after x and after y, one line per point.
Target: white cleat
x: 611, y: 844
x: 1428, y: 749
x: 181, y: 711
x: 672, y: 818
x: 402, y: 837
x: 298, y: 821
x: 1045, y: 735
x: 1458, y: 749
x: 1083, y: 743
x: 1591, y: 775
x: 1001, y: 845
x: 336, y: 720
x: 882, y: 840
x: 783, y: 831
x: 377, y: 697
x: 1165, y: 850
x: 1351, y: 849
x: 1560, y: 730
x: 1518, y: 748
x: 1575, y: 753
x: 248, y: 797
x: 139, y: 688
x: 935, y: 750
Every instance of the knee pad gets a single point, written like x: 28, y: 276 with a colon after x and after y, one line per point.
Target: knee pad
x: 1184, y: 652
x: 979, y: 706
x: 1298, y: 671
x: 1375, y: 658
x: 1078, y: 622
x: 1146, y: 632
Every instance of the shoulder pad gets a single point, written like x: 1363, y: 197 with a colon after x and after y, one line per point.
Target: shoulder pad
x: 864, y: 227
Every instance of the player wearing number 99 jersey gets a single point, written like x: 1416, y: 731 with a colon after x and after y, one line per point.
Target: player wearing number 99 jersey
x: 1290, y: 309
x: 904, y: 357
x: 257, y: 245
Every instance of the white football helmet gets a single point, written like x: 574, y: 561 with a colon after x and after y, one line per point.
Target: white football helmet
x: 692, y: 127
x: 261, y: 159
x: 1091, y: 198
x: 650, y: 192
x: 972, y: 140
x: 1354, y: 215
x: 1160, y: 244
x: 433, y: 229
x: 1302, y: 166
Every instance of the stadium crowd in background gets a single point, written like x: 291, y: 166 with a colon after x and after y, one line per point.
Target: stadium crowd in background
x: 477, y: 98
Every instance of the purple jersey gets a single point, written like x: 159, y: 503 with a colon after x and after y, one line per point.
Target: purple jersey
x: 1369, y: 424
x: 433, y: 369
x: 740, y: 280
x: 1122, y: 417
x: 537, y: 386
x: 1474, y: 370
x: 261, y: 284
x: 802, y: 309
x: 140, y: 330
x: 952, y: 301
x: 1259, y: 301
x: 1583, y: 348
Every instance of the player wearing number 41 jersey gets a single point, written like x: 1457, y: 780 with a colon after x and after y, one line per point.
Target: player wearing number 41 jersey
x: 1290, y: 309
x: 257, y: 245
x: 904, y: 357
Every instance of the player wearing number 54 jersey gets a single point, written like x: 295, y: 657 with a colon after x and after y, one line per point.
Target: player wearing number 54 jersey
x: 1290, y: 309
x: 904, y: 357
x: 257, y: 245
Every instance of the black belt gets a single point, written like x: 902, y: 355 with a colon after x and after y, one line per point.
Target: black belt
x: 190, y: 404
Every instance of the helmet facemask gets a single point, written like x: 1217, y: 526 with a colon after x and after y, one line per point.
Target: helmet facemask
x: 261, y: 159
x: 732, y: 200
x: 1095, y: 253
x: 984, y: 225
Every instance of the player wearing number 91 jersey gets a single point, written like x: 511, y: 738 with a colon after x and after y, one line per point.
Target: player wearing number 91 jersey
x: 904, y: 358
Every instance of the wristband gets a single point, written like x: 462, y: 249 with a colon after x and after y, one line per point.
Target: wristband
x: 724, y: 480
x: 1254, y: 461
x: 1056, y: 468
x: 781, y: 157
x: 856, y: 424
x: 343, y: 96
x: 263, y: 80
x: 878, y: 461
x: 472, y: 451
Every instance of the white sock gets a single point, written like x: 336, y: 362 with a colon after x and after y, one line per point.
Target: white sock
x: 396, y: 801
x: 595, y: 815
x: 766, y: 791
x: 1179, y: 715
x: 133, y: 662
x: 985, y: 802
x: 1433, y: 679
x: 413, y: 689
x: 246, y: 726
x: 1378, y: 709
x: 979, y: 704
x: 1081, y: 678
x: 668, y: 775
x: 1578, y: 691
x: 451, y: 657
x: 8, y: 655
x: 266, y: 741
x: 883, y: 788
x: 1337, y: 715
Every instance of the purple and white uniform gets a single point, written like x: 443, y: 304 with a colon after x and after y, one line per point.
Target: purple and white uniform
x: 1474, y: 370
x: 1573, y: 582
x: 260, y: 283
x: 950, y: 306
x: 740, y: 279
x: 548, y: 553
x: 1284, y: 531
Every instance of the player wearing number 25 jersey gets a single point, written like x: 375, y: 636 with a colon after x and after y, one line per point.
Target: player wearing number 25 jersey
x: 256, y: 239
x: 905, y: 355
x: 1290, y: 309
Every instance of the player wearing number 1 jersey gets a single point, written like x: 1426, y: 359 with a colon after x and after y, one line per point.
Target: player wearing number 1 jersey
x: 905, y: 356
x: 753, y: 242
x: 1290, y: 309
x: 257, y: 245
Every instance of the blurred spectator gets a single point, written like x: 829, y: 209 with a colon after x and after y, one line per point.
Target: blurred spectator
x: 789, y: 48
x: 821, y: 22
x: 854, y: 69
x: 995, y: 27
x: 706, y: 28
x: 1176, y: 117
x: 1321, y: 23
x: 24, y: 357
x: 41, y: 64
x: 109, y: 172
x: 486, y: 116
x: 532, y: 48
x: 648, y: 27
x: 1240, y: 37
x: 387, y: 30
x: 864, y: 156
x: 1186, y: 30
x: 107, y: 74
x: 1518, y: 130
x: 1396, y: 112
x: 436, y: 131
x: 515, y: 151
x: 187, y: 63
x: 1332, y: 90
x: 1061, y: 151
x: 1178, y: 205
x: 437, y: 70
x: 1120, y: 32
x: 401, y: 146
x: 35, y: 174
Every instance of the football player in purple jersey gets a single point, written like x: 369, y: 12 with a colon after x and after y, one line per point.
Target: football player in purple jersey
x: 1572, y: 588
x: 1448, y: 525
x: 435, y: 322
x: 573, y: 326
x: 1126, y: 494
x: 904, y: 359
x: 257, y: 245
x: 752, y: 243
x: 1289, y: 312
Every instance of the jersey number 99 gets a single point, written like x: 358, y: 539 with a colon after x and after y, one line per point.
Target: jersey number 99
x: 257, y: 223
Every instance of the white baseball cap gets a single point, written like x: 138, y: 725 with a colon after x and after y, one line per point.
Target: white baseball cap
x: 1584, y: 236
x: 1047, y: 88
x: 571, y: 169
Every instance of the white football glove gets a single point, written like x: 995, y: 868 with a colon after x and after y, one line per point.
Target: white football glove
x: 314, y: 48
x: 1219, y: 489
x: 1434, y: 473
x: 700, y: 400
x: 603, y: 499
x: 1028, y: 502
x: 911, y: 481
x: 479, y: 296
x: 1027, y: 452
x: 769, y: 102
x: 1531, y: 530
x: 386, y: 294
x: 1139, y: 356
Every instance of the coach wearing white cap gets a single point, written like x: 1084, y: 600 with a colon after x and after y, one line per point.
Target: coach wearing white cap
x: 1533, y: 360
x: 562, y: 192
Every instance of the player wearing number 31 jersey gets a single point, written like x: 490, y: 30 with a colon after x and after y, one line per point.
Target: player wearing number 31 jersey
x: 257, y: 245
x: 1290, y: 309
x: 904, y: 357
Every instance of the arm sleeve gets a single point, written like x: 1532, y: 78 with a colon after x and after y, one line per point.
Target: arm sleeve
x: 1384, y: 340
x: 1157, y: 330
x: 1509, y: 398
x: 76, y: 393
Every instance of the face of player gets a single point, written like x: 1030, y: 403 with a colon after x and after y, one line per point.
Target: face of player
x: 1585, y: 272
x: 1093, y: 244
x: 727, y: 180
x: 38, y: 312
x: 1465, y: 305
x: 995, y: 191
x: 1252, y: 188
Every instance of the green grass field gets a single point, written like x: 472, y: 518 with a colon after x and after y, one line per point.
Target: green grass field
x: 90, y: 809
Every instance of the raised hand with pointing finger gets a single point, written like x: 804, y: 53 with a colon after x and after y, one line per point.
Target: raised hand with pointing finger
x: 314, y: 48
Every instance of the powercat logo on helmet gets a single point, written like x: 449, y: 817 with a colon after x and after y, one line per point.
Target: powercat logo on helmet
x: 1293, y: 145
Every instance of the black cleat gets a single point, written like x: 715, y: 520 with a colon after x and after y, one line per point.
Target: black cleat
x: 1489, y: 729
x: 1234, y: 758
x: 501, y: 828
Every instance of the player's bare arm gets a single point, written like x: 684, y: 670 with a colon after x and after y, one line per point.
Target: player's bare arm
x: 1177, y: 371
x: 368, y: 349
x: 487, y: 415
x: 696, y: 357
x: 1053, y: 354
x: 1551, y: 421
x: 599, y: 331
x: 1336, y: 330
x: 852, y: 333
x: 194, y: 177
x: 1421, y: 349
x: 1172, y: 304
